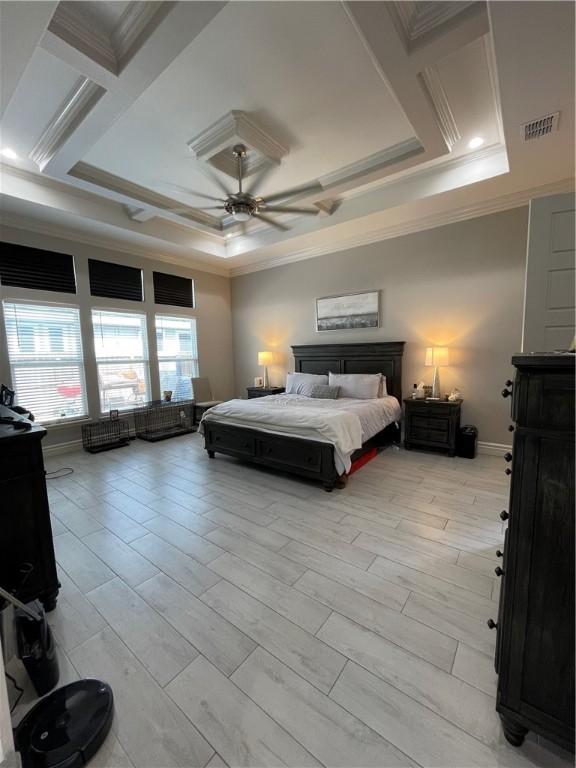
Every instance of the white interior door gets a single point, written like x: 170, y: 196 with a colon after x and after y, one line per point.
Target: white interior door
x: 549, y: 295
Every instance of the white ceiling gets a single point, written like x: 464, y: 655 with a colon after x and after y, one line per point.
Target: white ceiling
x: 103, y: 98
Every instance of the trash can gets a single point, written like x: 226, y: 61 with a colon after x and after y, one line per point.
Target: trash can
x: 466, y: 441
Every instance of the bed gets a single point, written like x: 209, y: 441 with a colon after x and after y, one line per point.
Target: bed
x: 250, y: 431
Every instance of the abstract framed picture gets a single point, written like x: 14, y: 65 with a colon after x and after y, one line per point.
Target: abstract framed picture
x: 349, y: 312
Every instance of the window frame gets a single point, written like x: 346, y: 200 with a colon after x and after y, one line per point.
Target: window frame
x: 80, y: 361
x: 145, y: 361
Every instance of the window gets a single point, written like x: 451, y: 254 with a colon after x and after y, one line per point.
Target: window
x: 121, y: 349
x: 45, y: 351
x: 174, y: 290
x: 25, y: 267
x: 115, y: 281
x: 177, y: 354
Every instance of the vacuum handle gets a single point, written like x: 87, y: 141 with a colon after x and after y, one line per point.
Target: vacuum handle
x: 19, y: 604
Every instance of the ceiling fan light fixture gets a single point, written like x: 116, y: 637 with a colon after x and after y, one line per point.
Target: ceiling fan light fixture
x: 242, y: 213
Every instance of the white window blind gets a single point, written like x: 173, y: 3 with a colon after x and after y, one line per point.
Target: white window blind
x: 177, y: 348
x: 45, y: 351
x: 121, y: 347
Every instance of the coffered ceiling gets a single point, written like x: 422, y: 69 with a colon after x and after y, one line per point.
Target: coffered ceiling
x: 118, y: 119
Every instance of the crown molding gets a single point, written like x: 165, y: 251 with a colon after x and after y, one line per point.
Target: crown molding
x: 213, y: 145
x: 70, y: 25
x: 483, y: 208
x: 136, y: 24
x: 404, y: 150
x: 417, y: 19
x: 65, y: 233
x: 74, y: 109
x: 432, y: 84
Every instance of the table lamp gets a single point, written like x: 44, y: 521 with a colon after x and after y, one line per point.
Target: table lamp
x: 265, y: 359
x: 436, y: 356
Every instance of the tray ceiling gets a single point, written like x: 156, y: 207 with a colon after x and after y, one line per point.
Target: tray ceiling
x: 113, y: 110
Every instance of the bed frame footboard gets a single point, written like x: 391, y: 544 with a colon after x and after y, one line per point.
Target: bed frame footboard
x: 307, y: 458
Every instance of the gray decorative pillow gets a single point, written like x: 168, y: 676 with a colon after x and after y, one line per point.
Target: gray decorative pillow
x: 325, y: 392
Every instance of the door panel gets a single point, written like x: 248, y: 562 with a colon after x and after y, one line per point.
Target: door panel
x: 549, y: 300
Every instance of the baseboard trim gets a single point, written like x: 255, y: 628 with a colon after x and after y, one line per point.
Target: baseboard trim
x: 58, y: 448
x: 493, y: 449
x: 486, y: 449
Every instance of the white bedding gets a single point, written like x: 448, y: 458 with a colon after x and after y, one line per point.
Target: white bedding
x: 346, y: 423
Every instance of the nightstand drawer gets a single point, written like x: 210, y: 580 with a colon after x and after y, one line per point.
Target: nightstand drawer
x: 430, y: 409
x: 432, y: 436
x: 423, y: 422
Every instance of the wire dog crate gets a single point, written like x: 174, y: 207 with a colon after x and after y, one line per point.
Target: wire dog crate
x: 105, y: 434
x: 160, y: 419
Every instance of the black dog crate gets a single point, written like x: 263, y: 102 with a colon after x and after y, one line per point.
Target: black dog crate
x: 161, y: 419
x: 105, y: 434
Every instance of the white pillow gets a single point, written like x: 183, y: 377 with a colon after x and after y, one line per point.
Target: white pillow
x: 303, y: 383
x: 362, y: 386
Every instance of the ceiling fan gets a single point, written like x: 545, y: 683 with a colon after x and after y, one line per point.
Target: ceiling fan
x: 243, y: 205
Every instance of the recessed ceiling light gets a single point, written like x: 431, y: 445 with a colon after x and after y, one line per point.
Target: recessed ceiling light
x: 9, y: 153
x: 476, y: 142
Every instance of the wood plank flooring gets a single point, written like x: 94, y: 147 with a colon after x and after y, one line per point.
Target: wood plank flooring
x: 245, y: 618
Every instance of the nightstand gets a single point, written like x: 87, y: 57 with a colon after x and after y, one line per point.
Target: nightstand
x: 431, y: 424
x: 263, y: 391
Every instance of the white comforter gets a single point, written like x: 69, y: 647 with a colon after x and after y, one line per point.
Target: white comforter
x: 346, y: 422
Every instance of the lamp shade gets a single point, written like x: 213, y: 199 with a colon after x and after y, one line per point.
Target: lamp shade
x: 265, y: 358
x: 436, y: 356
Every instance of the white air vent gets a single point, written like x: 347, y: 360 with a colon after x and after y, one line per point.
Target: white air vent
x: 542, y: 126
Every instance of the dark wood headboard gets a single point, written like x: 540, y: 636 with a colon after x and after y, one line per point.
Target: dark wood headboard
x: 373, y: 357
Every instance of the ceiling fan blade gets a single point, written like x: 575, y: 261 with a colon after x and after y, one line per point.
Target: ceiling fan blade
x: 192, y: 208
x: 270, y: 220
x: 290, y: 209
x: 193, y: 193
x: 306, y: 189
x: 215, y: 179
x: 259, y: 177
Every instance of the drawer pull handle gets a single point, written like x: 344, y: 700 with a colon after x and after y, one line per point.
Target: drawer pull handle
x: 506, y: 392
x: 491, y: 624
x: 504, y: 515
x: 499, y: 553
x: 498, y: 571
x: 508, y: 456
x: 507, y: 471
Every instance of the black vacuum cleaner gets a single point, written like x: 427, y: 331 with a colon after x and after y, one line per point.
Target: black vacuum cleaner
x: 67, y: 727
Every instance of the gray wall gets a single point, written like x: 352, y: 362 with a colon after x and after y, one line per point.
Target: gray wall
x: 460, y: 285
x: 212, y: 313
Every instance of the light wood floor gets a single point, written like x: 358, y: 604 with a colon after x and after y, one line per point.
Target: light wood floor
x: 244, y: 618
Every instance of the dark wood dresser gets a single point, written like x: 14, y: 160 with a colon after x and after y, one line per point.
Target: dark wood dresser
x: 535, y: 643
x: 431, y: 424
x: 27, y: 562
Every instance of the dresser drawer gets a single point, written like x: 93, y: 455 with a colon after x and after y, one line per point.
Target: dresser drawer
x: 291, y: 453
x: 233, y: 440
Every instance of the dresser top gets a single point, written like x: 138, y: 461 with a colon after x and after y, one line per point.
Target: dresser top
x: 545, y: 359
x: 7, y: 431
